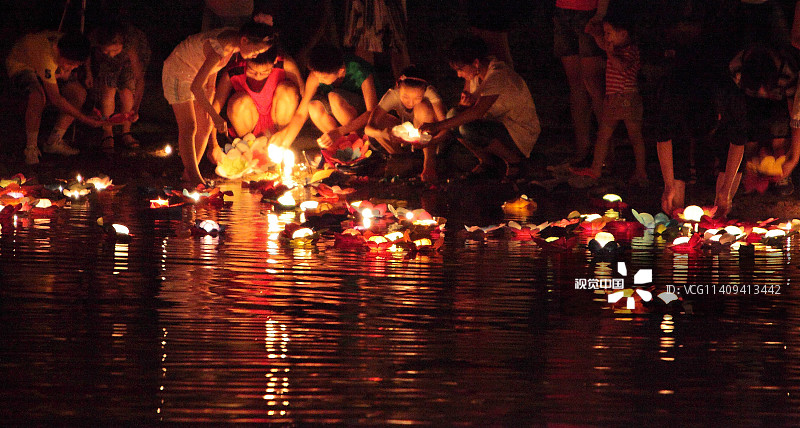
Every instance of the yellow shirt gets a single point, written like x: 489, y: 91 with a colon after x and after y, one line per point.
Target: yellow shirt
x: 35, y: 52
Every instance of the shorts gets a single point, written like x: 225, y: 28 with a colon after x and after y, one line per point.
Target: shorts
x: 355, y: 100
x: 622, y: 106
x: 482, y: 132
x: 569, y: 37
x: 177, y: 82
x: 25, y: 82
x: 113, y: 72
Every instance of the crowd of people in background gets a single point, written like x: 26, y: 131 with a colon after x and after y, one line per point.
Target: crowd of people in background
x: 727, y: 73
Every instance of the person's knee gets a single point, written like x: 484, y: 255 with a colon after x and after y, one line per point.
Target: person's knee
x: 423, y: 112
x: 287, y: 93
x: 240, y: 104
x: 339, y: 103
x: 316, y: 110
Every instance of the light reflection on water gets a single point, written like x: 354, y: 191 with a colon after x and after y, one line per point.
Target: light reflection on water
x: 237, y: 328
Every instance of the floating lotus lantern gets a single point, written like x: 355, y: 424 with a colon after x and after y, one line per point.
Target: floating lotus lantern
x: 409, y: 134
x: 286, y: 202
x: 350, y: 239
x: 694, y: 213
x: 348, y: 150
x: 593, y: 223
x: 296, y: 235
x: 686, y: 245
x: 610, y: 202
x: 207, y: 227
x: 556, y: 244
x: 624, y: 230
x: 477, y: 233
x: 603, y: 245
x: 521, y: 206
x: 774, y: 238
x: 100, y: 183
x: 522, y: 233
x: 17, y: 179
x: 115, y: 231
x: 332, y: 193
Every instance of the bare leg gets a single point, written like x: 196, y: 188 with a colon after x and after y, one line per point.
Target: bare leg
x: 423, y: 113
x: 126, y: 102
x: 601, y: 148
x: 75, y: 94
x: 580, y: 106
x: 187, y: 128
x: 107, y: 108
x: 594, y: 78
x: 243, y: 113
x: 637, y: 141
x: 342, y: 111
x: 33, y: 119
x: 204, y: 128
x: 320, y: 117
x: 284, y: 103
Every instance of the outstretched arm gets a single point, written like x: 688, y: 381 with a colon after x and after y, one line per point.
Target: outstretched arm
x: 54, y: 96
x: 202, y: 80
x: 475, y: 112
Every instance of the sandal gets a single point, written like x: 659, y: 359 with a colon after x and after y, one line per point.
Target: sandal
x: 129, y: 141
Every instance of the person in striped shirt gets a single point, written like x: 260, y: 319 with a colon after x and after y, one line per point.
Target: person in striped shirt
x: 622, y: 101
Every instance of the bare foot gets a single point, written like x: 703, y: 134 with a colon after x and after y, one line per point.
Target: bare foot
x: 215, y: 155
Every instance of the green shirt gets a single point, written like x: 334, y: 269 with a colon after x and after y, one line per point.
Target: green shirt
x: 356, y: 71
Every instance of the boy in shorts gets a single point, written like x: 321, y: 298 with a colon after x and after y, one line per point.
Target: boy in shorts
x: 39, y: 65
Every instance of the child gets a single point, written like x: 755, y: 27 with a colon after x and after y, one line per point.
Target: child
x: 412, y: 100
x: 622, y: 100
x: 498, y: 116
x: 189, y: 79
x: 37, y: 64
x: 345, y: 96
x: 266, y: 93
x: 118, y: 62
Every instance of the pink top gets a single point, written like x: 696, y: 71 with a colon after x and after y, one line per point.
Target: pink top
x: 577, y: 4
x: 263, y: 98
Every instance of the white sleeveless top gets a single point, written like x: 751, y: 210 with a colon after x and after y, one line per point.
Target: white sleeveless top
x: 189, y: 56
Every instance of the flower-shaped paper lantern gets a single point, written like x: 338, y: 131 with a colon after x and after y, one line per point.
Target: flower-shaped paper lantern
x: 624, y: 230
x: 774, y: 238
x: 686, y: 245
x: 609, y: 201
x: 100, y: 183
x: 296, y: 235
x: 557, y: 244
x: 408, y: 133
x: 521, y: 206
x: 347, y: 150
x: 603, y: 245
x: 522, y: 233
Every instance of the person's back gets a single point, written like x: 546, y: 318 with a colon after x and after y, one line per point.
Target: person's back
x: 514, y: 106
x: 35, y: 52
